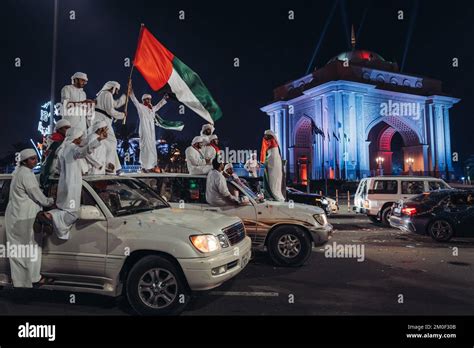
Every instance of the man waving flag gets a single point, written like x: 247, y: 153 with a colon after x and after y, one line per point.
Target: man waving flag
x: 160, y: 67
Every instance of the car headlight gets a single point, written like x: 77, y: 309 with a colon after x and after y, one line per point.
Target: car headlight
x: 321, y: 219
x: 205, y: 243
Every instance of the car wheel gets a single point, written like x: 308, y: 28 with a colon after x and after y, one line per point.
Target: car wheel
x: 386, y: 215
x: 155, y: 286
x: 289, y: 246
x: 441, y: 230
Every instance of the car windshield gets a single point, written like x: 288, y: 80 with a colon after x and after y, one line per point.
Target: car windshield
x: 126, y: 197
x: 250, y: 193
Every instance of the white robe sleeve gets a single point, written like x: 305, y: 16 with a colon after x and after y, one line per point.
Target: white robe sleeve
x: 158, y: 106
x: 65, y: 94
x: 110, y: 105
x: 222, y: 187
x: 120, y: 101
x: 135, y: 100
x: 34, y: 192
x: 82, y: 152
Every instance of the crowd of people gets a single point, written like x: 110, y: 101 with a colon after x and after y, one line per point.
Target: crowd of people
x: 84, y: 143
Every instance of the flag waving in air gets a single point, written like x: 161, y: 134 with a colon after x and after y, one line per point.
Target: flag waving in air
x: 160, y: 67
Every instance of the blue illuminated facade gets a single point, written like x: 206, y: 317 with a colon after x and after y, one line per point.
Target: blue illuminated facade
x: 337, y: 120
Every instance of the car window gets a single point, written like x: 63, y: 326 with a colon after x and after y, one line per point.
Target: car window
x: 86, y: 197
x: 4, y: 194
x: 436, y: 185
x: 385, y: 186
x: 126, y: 197
x: 412, y: 187
x: 194, y: 190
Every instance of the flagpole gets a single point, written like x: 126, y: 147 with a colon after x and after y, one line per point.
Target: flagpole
x: 130, y: 75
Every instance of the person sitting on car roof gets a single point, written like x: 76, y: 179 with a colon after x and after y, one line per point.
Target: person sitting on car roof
x: 217, y: 193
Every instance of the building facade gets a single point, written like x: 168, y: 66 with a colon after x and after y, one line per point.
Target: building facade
x: 335, y: 122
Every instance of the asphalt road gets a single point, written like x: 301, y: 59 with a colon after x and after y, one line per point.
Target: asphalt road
x: 401, y: 274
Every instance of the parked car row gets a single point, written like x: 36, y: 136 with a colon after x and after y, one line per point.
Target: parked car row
x: 422, y: 205
x: 376, y: 195
x: 154, y: 238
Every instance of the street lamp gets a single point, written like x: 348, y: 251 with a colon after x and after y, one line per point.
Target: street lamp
x: 379, y: 161
x: 410, y: 162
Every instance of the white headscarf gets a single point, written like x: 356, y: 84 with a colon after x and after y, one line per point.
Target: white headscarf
x: 79, y: 75
x: 207, y: 126
x: 98, y: 125
x: 227, y: 166
x: 146, y: 96
x: 270, y: 132
x: 110, y: 84
x: 212, y: 137
x: 62, y: 123
x: 72, y: 134
x: 27, y: 153
x: 197, y: 139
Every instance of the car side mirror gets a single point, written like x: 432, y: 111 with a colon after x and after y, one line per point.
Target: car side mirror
x: 90, y: 213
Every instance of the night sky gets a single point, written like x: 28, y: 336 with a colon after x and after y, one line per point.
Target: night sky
x: 272, y: 51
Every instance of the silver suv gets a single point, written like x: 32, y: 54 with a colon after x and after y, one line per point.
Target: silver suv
x: 128, y: 239
x: 375, y: 196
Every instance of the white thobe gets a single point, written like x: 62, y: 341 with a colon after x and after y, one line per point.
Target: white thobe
x: 106, y: 102
x: 217, y: 193
x: 146, y: 132
x: 96, y: 160
x: 195, y: 162
x: 209, y: 152
x: 252, y: 167
x: 273, y: 165
x: 75, y: 115
x: 24, y: 203
x: 70, y: 186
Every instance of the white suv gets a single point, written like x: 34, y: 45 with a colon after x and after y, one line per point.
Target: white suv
x: 375, y: 196
x: 286, y: 230
x: 129, y: 240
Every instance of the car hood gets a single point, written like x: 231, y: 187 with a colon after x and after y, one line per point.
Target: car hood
x: 198, y: 221
x: 299, y: 212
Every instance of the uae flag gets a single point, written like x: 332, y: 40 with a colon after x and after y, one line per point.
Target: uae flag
x: 160, y: 67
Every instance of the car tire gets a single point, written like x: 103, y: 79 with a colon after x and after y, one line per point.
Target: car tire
x: 289, y: 246
x: 147, y: 292
x: 385, y: 215
x: 441, y: 230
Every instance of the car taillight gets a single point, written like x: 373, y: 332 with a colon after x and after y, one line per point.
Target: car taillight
x: 409, y: 211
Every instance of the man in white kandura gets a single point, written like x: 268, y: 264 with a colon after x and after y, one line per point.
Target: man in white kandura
x: 195, y: 160
x: 146, y: 130
x: 273, y: 168
x: 75, y: 103
x: 96, y: 159
x: 105, y: 110
x: 206, y: 131
x: 252, y: 166
x: 70, y: 180
x: 25, y: 201
x: 217, y: 193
